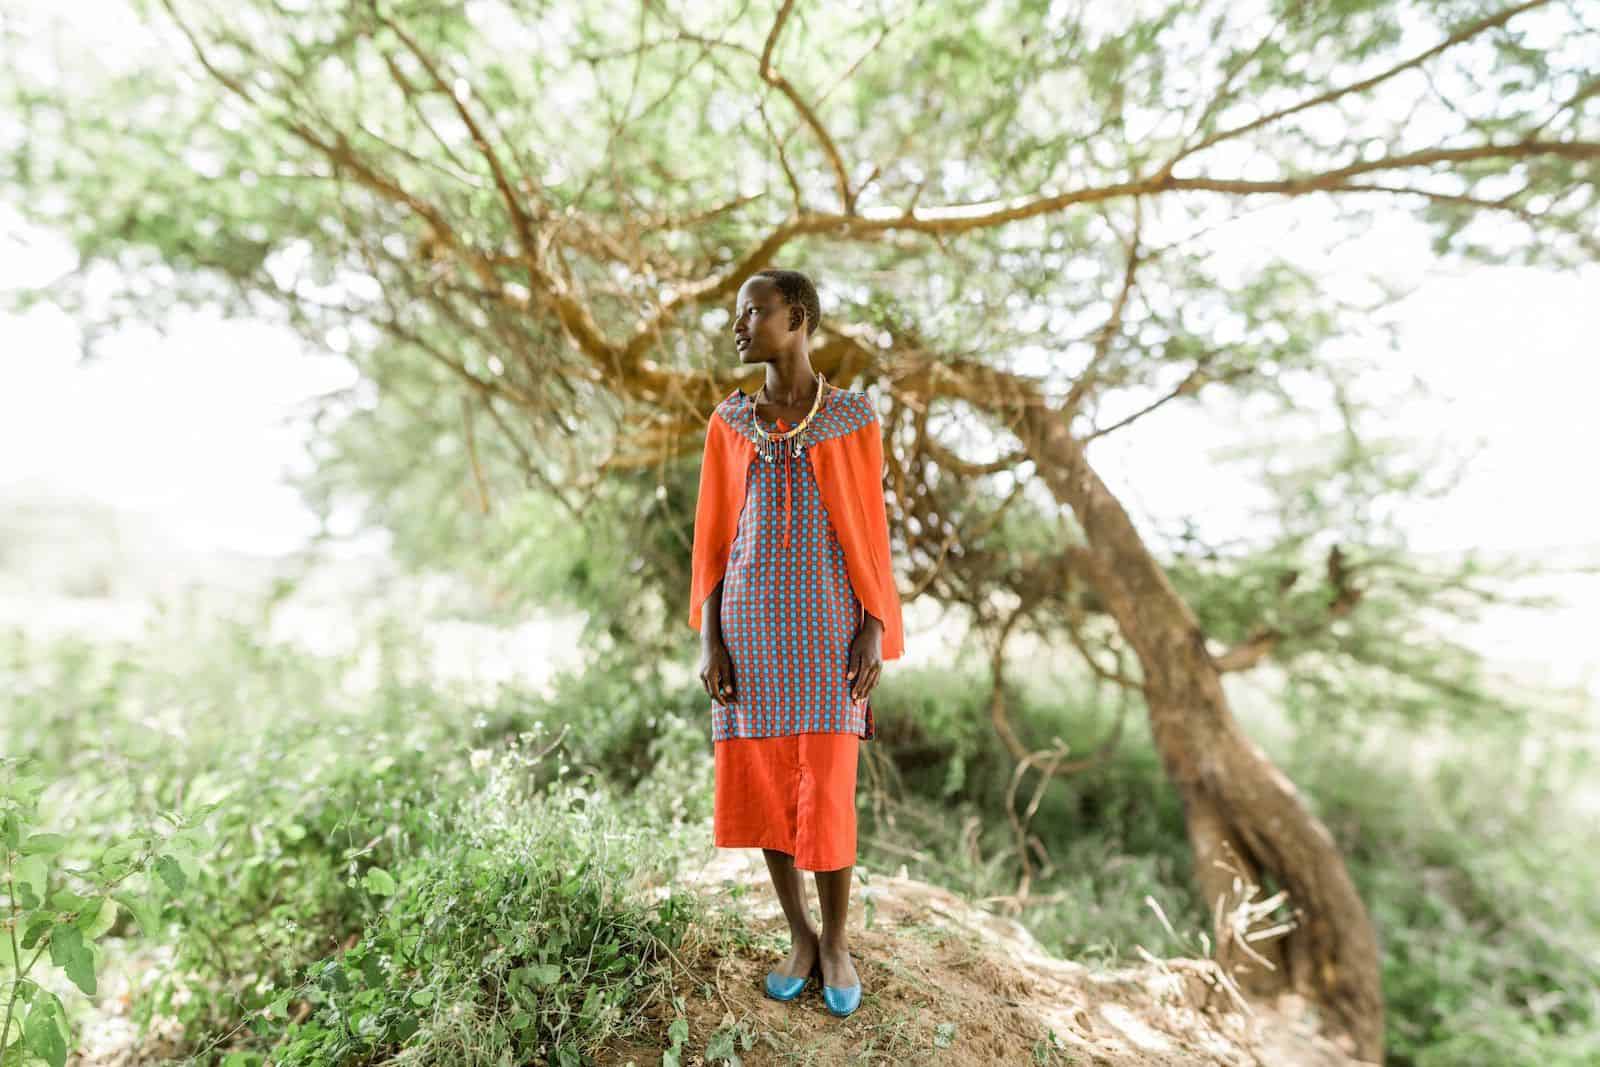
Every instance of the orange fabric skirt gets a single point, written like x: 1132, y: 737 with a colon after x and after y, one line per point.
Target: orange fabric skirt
x: 794, y: 794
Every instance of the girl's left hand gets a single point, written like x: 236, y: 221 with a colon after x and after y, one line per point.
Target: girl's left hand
x: 866, y: 658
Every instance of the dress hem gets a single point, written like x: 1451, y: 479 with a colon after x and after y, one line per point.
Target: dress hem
x: 787, y: 850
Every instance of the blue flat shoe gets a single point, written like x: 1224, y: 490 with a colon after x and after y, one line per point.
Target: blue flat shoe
x: 842, y: 1000
x: 783, y: 987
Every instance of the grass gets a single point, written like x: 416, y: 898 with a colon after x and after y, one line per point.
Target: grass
x: 406, y: 871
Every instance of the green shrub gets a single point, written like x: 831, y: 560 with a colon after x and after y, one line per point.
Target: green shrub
x: 61, y: 896
x: 1484, y: 885
x: 523, y: 935
x: 1481, y: 877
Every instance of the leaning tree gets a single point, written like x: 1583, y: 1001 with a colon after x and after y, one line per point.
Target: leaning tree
x: 525, y: 222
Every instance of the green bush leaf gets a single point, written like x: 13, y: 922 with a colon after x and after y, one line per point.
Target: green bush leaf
x: 25, y: 788
x: 32, y: 872
x: 43, y: 844
x: 121, y: 852
x: 145, y: 913
x: 65, y: 943
x: 46, y: 1031
x: 537, y: 974
x: 379, y: 882
x: 64, y: 899
x: 80, y: 968
x: 98, y: 917
x: 35, y: 930
x: 171, y: 873
x: 722, y: 1046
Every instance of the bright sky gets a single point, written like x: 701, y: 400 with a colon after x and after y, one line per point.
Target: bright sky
x: 198, y: 429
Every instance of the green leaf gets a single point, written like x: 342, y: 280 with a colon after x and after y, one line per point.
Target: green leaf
x: 35, y: 930
x: 197, y: 815
x: 422, y: 998
x: 32, y: 872
x: 171, y: 873
x: 379, y: 882
x: 80, y: 968
x: 64, y: 899
x: 98, y: 917
x: 65, y: 943
x: 24, y: 788
x: 43, y: 844
x: 593, y: 1001
x: 120, y: 852
x: 722, y: 1046
x: 145, y: 913
x: 46, y: 1032
x: 538, y: 974
x: 333, y: 977
x: 189, y: 840
x: 944, y: 1035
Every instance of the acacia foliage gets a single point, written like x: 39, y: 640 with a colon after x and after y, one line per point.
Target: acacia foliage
x: 524, y: 221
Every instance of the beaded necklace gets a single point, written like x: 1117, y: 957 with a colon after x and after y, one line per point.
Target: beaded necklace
x: 769, y: 444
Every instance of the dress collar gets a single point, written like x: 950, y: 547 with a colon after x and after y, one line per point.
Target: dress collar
x: 749, y: 400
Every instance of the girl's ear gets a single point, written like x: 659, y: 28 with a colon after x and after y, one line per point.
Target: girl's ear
x: 797, y: 317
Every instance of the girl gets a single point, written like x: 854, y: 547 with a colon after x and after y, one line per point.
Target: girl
x: 793, y: 593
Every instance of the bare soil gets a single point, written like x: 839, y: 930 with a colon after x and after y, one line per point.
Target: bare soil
x: 946, y: 983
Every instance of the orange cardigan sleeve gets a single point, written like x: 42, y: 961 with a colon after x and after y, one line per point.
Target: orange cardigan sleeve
x: 849, y: 471
x: 724, y: 466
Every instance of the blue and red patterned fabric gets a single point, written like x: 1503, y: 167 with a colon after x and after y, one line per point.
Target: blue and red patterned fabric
x: 801, y: 556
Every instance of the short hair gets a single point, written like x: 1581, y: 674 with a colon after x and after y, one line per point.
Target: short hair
x: 799, y: 294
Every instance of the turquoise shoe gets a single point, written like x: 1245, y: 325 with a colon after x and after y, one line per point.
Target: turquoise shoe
x: 783, y: 987
x: 842, y: 1000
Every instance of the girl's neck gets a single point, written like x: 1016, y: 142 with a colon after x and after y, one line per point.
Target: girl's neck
x: 792, y: 386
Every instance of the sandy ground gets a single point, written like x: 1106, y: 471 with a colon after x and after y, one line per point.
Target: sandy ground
x: 947, y: 983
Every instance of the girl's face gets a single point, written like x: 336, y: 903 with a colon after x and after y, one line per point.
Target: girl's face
x: 761, y: 322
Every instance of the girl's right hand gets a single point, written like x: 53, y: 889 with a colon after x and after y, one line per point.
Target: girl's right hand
x: 716, y: 671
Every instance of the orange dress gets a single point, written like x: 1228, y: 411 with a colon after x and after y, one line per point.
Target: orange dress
x: 801, y: 559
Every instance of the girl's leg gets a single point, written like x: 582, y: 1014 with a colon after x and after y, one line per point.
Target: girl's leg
x: 792, y: 895
x: 833, y: 892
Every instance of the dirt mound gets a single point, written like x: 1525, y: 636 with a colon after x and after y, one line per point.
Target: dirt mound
x: 944, y: 982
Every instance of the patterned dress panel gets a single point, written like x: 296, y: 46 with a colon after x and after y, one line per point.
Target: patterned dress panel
x: 789, y: 611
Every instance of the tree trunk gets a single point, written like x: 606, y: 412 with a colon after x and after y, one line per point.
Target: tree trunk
x: 1239, y: 808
